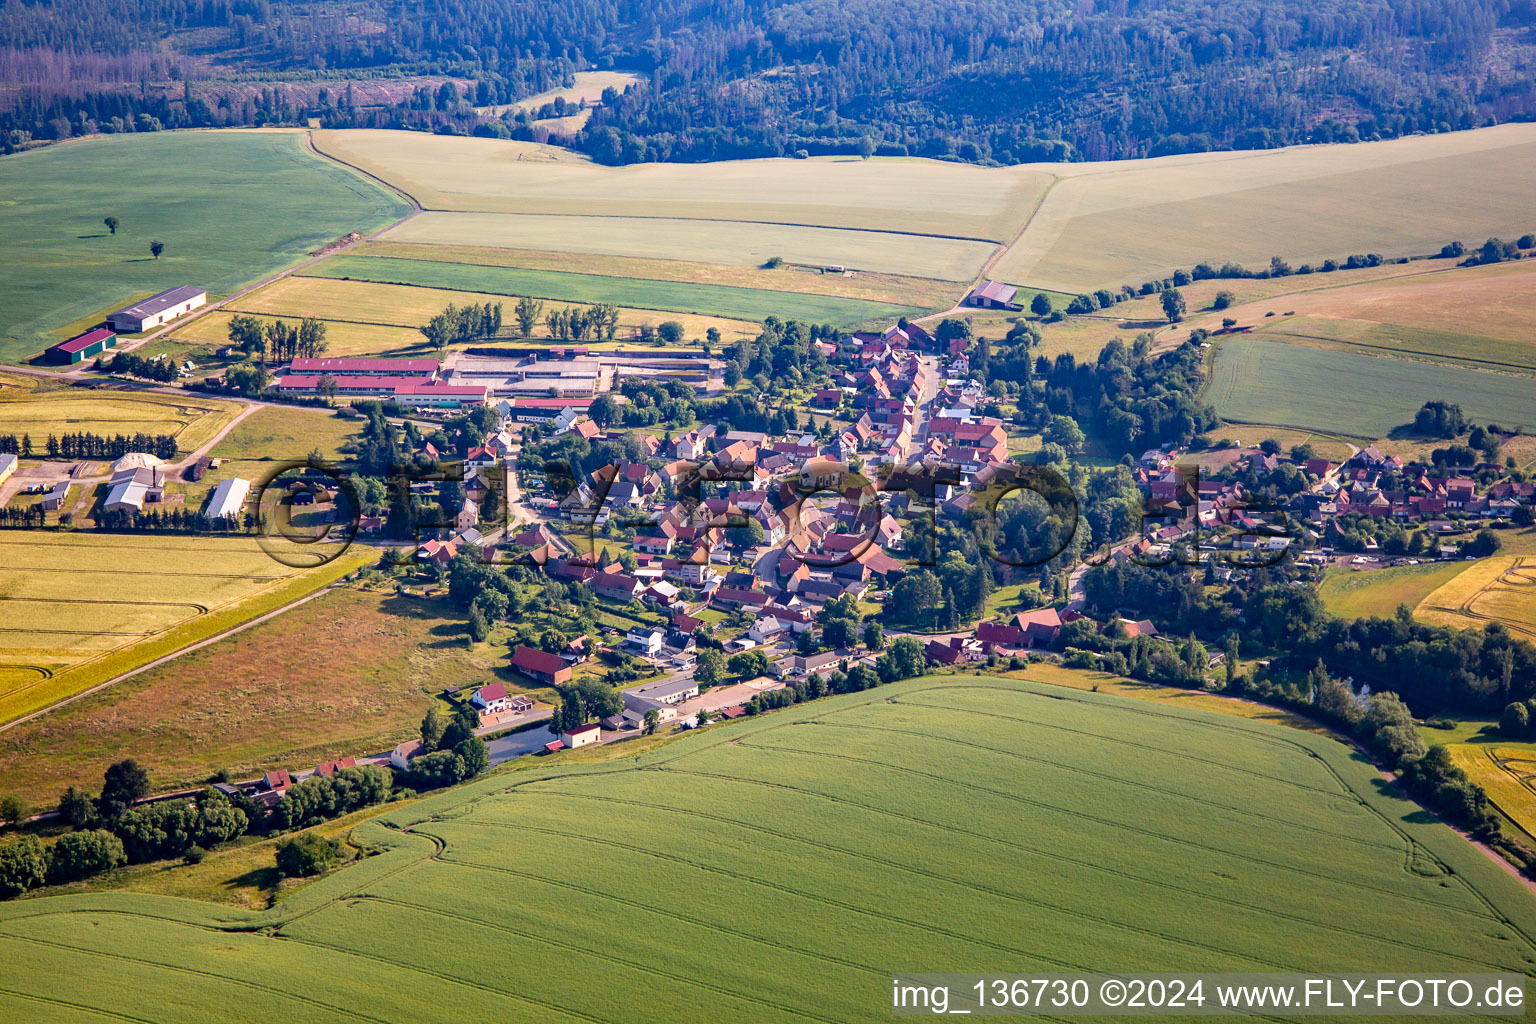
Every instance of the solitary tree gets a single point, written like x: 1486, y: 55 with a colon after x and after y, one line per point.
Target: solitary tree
x: 866, y: 147
x: 1041, y: 304
x: 156, y: 248
x: 111, y: 223
x: 527, y: 312
x: 125, y: 783
x: 1173, y: 304
x: 652, y: 719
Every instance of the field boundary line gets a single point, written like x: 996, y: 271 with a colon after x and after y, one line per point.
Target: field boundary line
x: 156, y: 663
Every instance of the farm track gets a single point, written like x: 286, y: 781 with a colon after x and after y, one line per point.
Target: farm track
x: 156, y: 663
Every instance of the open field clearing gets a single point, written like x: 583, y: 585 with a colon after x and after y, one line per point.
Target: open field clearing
x: 1104, y: 224
x: 193, y: 420
x: 927, y: 197
x: 1507, y: 774
x: 275, y: 433
x: 1256, y: 380
x: 1325, y: 445
x: 588, y: 88
x: 740, y: 242
x: 635, y: 293
x: 961, y: 822
x: 230, y: 206
x: 363, y: 306
x: 342, y: 338
x: 892, y: 288
x: 349, y: 673
x: 1479, y: 317
x: 79, y: 609
x: 1497, y: 589
x: 1359, y: 595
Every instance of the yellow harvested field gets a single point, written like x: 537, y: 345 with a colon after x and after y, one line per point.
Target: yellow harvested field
x: 1106, y: 224
x: 1507, y: 774
x: 83, y: 607
x: 895, y: 288
x: 391, y: 310
x: 885, y: 194
x: 342, y: 337
x: 1497, y: 589
x: 192, y: 420
x: 738, y: 242
x: 588, y: 87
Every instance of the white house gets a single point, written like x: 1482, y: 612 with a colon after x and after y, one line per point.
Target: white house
x: 492, y: 699
x: 765, y: 629
x: 402, y: 755
x: 645, y: 639
x: 583, y: 736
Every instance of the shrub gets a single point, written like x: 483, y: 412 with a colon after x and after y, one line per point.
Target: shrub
x: 307, y: 854
x: 82, y: 854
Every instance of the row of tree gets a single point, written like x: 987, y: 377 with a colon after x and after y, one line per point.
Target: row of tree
x: 88, y: 445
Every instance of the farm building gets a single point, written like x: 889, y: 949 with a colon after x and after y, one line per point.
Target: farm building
x: 549, y: 669
x: 7, y: 467
x: 992, y: 295
x: 411, y: 392
x: 337, y: 367
x: 82, y: 346
x: 54, y: 499
x: 157, y: 309
x: 228, y: 498
x: 136, y: 478
x: 583, y: 736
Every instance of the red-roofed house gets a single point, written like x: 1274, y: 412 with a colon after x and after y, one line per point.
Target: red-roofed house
x: 549, y: 669
x: 492, y: 699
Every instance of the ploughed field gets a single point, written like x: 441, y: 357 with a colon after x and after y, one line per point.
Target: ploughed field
x: 784, y: 867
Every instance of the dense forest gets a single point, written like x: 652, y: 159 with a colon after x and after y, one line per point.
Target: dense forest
x: 983, y: 80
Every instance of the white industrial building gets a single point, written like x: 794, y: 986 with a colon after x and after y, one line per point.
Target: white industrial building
x: 157, y: 309
x: 136, y: 478
x: 228, y: 499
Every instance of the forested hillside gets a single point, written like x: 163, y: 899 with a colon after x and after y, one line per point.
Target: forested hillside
x: 976, y: 80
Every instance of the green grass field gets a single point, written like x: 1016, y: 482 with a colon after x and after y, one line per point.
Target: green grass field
x: 1104, y: 224
x: 718, y: 300
x: 1358, y: 595
x: 229, y: 207
x: 784, y: 867
x: 1257, y: 380
x: 80, y: 609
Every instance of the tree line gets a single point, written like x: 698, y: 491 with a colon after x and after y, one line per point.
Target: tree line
x: 89, y: 445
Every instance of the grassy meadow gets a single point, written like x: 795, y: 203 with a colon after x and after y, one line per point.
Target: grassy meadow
x: 82, y: 608
x: 1378, y: 592
x: 349, y: 673
x: 1258, y: 380
x: 897, y: 289
x: 372, y: 318
x: 230, y: 206
x: 710, y: 299
x: 929, y: 197
x: 193, y: 420
x: 743, y: 243
x: 962, y: 823
x: 1106, y: 224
